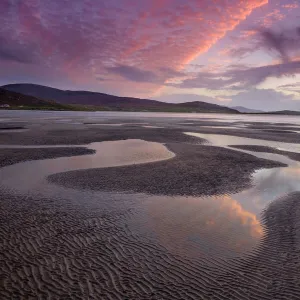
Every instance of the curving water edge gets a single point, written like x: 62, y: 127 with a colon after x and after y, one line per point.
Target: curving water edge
x: 187, y: 227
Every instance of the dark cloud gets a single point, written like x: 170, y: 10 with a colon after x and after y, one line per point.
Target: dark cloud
x: 240, y: 78
x: 206, y: 80
x: 134, y: 74
x: 139, y: 75
x: 282, y: 43
x: 238, y: 66
x: 100, y: 78
x: 168, y: 72
x: 250, y: 77
x: 195, y: 66
x: 13, y: 51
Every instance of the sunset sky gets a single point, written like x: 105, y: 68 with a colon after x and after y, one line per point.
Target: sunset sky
x: 229, y: 52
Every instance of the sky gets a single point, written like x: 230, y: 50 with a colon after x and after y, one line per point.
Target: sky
x: 228, y: 52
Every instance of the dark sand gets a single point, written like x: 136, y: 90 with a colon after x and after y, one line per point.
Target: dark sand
x: 172, y: 132
x: 98, y: 134
x: 195, y: 171
x: 62, y: 250
x: 57, y: 248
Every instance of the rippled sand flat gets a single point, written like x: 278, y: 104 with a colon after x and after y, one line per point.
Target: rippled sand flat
x: 148, y: 212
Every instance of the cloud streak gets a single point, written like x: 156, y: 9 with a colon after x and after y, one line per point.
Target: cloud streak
x: 85, y: 39
x: 239, y: 78
x: 292, y: 87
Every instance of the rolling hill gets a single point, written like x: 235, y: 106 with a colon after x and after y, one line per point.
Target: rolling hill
x: 13, y: 100
x: 243, y: 109
x: 285, y: 112
x: 100, y: 101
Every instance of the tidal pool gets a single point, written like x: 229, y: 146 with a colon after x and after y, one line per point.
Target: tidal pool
x: 216, y: 226
x: 226, y: 225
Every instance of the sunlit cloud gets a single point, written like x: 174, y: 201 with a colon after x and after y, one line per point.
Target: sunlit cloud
x: 222, y: 216
x: 86, y: 40
x: 151, y: 48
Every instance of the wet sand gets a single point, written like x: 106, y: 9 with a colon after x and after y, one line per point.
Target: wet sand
x: 15, y: 155
x: 272, y: 270
x: 84, y: 135
x: 194, y: 171
x: 102, y: 237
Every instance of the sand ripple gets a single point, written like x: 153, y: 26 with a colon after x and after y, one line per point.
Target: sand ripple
x: 63, y: 250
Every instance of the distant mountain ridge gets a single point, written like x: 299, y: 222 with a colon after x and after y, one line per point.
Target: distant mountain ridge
x: 285, y: 112
x: 111, y: 102
x: 243, y: 109
x: 9, y: 99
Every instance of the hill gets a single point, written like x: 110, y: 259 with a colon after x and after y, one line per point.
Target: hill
x: 285, y: 112
x: 243, y: 109
x: 100, y: 101
x: 15, y: 100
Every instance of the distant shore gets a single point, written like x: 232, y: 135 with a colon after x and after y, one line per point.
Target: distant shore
x: 95, y: 109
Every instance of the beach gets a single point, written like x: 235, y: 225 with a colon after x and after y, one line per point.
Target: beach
x: 149, y: 206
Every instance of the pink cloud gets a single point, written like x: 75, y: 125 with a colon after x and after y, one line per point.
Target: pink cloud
x: 272, y: 17
x: 291, y: 5
x: 84, y: 38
